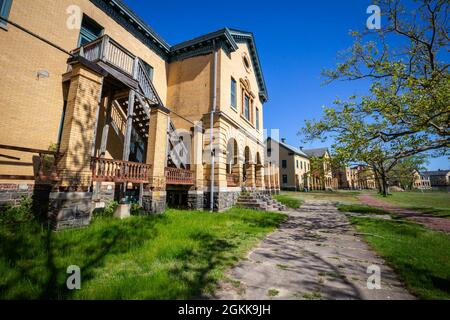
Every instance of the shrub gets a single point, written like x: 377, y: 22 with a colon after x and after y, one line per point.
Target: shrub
x: 107, y: 212
x: 20, y: 214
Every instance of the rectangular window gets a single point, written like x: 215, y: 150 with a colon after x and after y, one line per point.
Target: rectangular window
x: 5, y: 7
x: 233, y: 94
x: 149, y: 69
x: 89, y: 31
x: 301, y: 165
x: 257, y: 118
x: 297, y: 164
x: 284, y: 164
x: 247, y: 107
x: 285, y: 179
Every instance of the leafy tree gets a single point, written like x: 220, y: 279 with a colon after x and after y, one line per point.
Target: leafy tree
x: 407, y: 111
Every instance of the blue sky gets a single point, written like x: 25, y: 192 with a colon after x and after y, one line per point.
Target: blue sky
x: 295, y: 39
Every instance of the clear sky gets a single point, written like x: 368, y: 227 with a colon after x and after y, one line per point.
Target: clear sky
x: 295, y: 40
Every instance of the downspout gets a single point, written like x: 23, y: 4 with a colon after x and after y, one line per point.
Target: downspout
x: 211, y: 137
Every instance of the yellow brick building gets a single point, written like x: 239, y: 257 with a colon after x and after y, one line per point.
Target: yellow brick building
x: 97, y: 106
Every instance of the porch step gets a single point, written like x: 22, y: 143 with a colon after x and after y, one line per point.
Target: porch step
x: 258, y: 201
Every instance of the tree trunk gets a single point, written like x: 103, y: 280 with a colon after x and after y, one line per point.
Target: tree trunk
x: 384, y: 184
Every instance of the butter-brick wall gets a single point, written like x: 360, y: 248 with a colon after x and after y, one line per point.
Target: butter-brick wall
x: 31, y: 108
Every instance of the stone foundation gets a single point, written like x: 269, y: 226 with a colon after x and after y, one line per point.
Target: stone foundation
x: 154, y: 202
x: 69, y: 209
x: 195, y: 200
x: 13, y: 194
x: 222, y: 200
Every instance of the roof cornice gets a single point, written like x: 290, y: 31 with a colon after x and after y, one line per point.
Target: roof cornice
x: 228, y: 38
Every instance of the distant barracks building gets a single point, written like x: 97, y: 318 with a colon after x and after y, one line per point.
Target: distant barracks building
x: 104, y: 109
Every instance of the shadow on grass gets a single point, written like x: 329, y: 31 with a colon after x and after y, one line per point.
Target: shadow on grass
x: 34, y: 259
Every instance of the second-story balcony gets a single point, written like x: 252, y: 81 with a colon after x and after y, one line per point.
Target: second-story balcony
x: 121, y: 64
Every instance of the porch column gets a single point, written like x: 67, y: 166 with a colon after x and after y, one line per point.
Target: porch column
x: 250, y: 175
x: 267, y: 177
x: 260, y: 176
x: 154, y: 198
x: 196, y: 194
x: 70, y: 205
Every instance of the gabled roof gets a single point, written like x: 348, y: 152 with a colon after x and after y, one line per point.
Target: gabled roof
x: 316, y: 153
x: 290, y: 148
x: 126, y: 17
x: 230, y: 37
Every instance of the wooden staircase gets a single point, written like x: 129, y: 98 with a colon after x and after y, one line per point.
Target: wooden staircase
x: 258, y: 201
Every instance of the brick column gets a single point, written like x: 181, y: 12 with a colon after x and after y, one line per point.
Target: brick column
x: 154, y: 198
x: 196, y: 194
x: 70, y: 206
x: 250, y: 183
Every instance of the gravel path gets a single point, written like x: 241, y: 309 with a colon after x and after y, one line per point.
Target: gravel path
x: 313, y: 255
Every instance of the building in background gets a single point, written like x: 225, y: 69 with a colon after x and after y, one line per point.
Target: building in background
x: 294, y: 166
x: 440, y: 179
x: 321, y: 175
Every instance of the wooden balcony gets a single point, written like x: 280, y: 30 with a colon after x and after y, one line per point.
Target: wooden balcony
x: 112, y: 56
x: 232, y: 181
x: 176, y: 176
x: 107, y: 170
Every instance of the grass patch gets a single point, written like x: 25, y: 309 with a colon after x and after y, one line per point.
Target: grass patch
x: 288, y: 201
x: 432, y: 202
x: 341, y: 196
x: 354, y: 208
x: 421, y: 257
x: 178, y: 255
x: 273, y: 293
x: 312, y: 296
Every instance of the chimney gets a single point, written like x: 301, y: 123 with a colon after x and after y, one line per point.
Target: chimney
x: 283, y: 140
x: 301, y: 148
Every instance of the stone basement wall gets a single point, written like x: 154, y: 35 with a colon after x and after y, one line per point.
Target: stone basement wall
x: 222, y: 200
x: 13, y: 193
x: 69, y: 209
x: 154, y: 202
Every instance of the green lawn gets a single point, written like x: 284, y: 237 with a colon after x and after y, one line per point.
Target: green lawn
x: 434, y: 203
x: 421, y: 257
x: 178, y: 255
x: 288, y: 201
x: 355, y: 208
x: 341, y: 196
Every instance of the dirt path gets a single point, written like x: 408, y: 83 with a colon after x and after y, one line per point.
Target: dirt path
x: 314, y: 255
x: 429, y: 221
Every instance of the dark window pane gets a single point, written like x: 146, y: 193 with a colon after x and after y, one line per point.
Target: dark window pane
x: 90, y: 30
x: 233, y: 94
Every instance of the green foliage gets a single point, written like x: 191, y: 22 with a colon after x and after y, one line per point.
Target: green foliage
x: 407, y: 110
x: 421, y: 257
x: 178, y: 255
x: 20, y: 214
x: 107, y: 212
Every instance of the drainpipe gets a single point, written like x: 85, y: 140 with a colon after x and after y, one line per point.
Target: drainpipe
x: 212, y: 125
